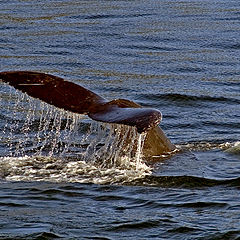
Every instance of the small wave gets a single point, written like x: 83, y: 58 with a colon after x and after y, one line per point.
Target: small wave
x: 136, y: 225
x: 109, y: 16
x: 204, y: 146
x: 202, y: 205
x: 40, y: 235
x: 184, y: 182
x: 145, y: 48
x: 183, y: 230
x: 176, y: 97
x: 229, y: 147
x: 187, y: 70
x: 225, y: 45
x: 233, y: 235
x: 12, y: 205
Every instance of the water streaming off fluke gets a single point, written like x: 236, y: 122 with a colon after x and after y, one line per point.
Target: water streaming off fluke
x: 46, y: 143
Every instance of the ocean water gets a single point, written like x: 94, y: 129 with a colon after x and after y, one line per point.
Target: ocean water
x: 64, y: 176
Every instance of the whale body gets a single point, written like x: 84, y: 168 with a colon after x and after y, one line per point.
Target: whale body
x: 75, y: 98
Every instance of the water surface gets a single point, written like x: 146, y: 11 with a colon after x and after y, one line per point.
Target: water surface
x: 181, y: 57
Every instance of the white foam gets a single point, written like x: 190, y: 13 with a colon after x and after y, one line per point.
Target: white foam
x: 59, y: 170
x: 235, y: 148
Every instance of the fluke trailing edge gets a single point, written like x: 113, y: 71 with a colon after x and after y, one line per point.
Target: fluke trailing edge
x: 72, y: 97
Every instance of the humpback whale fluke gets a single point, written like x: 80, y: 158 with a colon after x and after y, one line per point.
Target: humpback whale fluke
x: 72, y: 97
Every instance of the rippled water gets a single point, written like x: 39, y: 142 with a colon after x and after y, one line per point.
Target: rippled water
x: 181, y: 57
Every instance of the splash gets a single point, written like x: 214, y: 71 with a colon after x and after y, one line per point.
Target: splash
x: 205, y: 146
x: 41, y: 142
x: 234, y: 148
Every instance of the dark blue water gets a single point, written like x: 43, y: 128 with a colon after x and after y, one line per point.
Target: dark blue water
x: 181, y: 57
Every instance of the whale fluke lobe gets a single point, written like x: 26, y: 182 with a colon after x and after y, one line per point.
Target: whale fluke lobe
x: 72, y: 97
x: 53, y: 90
x: 143, y: 118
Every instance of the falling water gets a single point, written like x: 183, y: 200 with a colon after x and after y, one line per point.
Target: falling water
x: 46, y: 143
x: 38, y: 128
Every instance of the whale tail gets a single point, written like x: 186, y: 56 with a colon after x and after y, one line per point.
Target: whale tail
x: 72, y: 97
